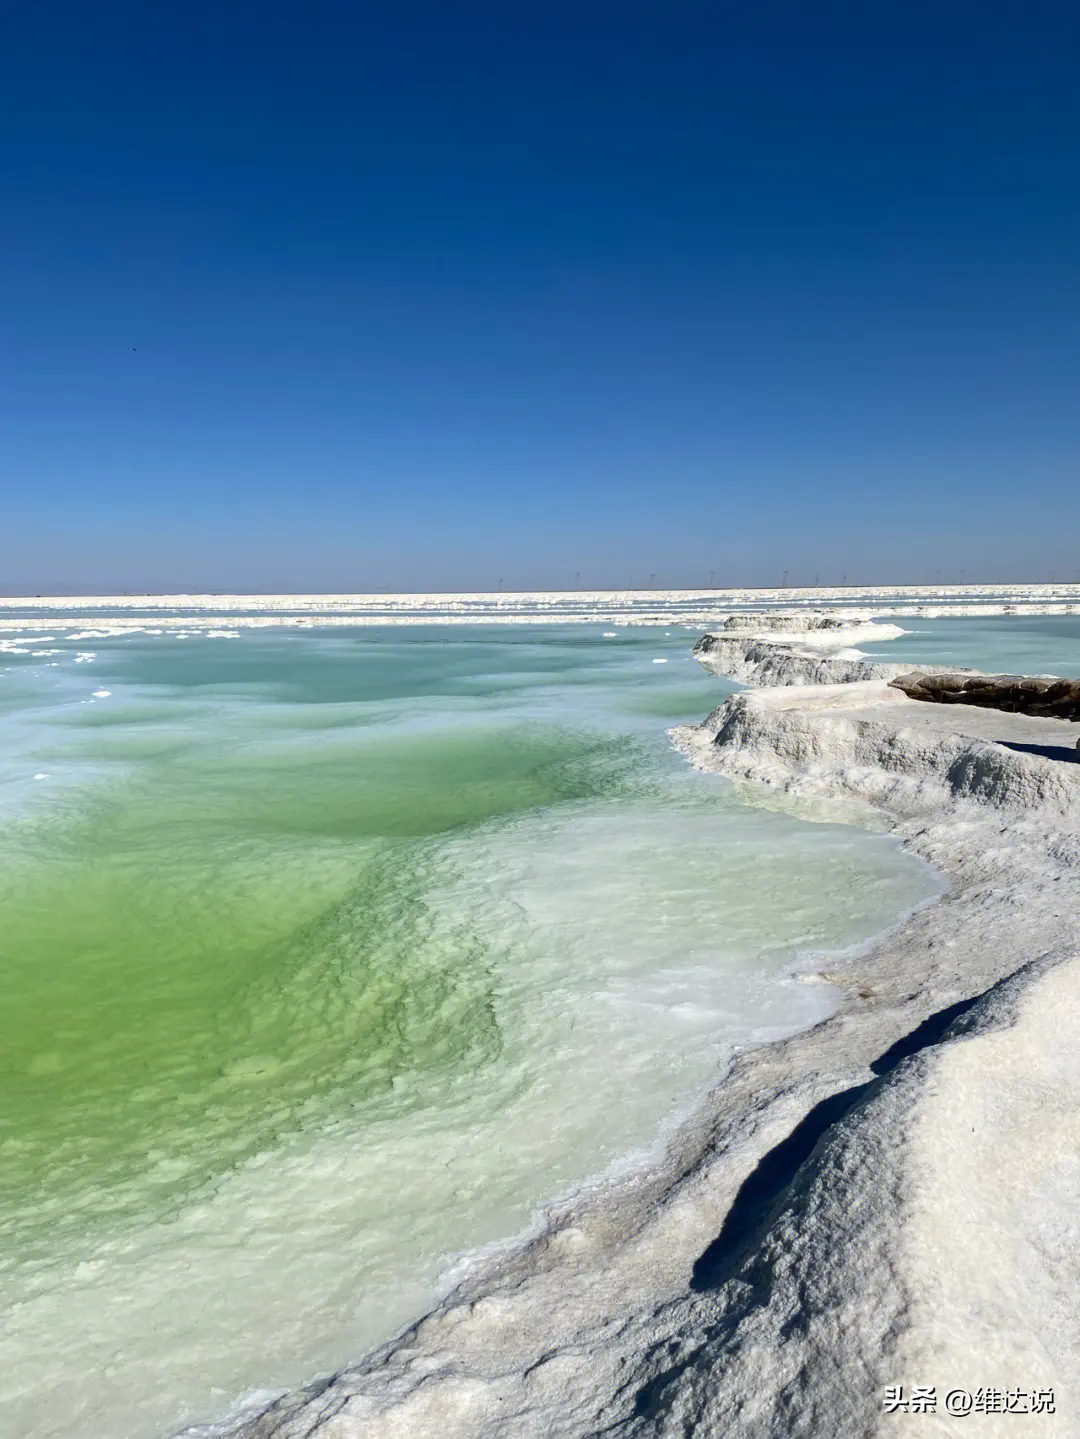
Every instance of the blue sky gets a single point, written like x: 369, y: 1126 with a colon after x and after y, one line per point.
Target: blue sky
x: 345, y: 296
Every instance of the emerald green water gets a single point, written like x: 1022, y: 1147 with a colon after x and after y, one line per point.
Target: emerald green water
x: 199, y: 956
x: 326, y: 956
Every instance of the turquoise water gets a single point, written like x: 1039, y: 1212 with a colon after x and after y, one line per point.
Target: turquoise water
x: 1011, y: 644
x: 330, y: 955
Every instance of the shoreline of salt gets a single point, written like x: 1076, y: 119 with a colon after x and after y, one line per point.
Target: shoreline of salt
x: 790, y: 1253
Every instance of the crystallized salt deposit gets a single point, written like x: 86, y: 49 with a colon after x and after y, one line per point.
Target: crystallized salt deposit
x: 808, y: 648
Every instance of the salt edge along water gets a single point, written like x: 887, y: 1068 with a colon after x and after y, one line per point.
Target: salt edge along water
x: 887, y: 1199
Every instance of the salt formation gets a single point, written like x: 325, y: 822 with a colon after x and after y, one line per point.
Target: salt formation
x: 889, y: 1199
x: 796, y: 649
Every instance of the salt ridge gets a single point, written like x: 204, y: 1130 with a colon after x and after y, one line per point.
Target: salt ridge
x: 781, y: 649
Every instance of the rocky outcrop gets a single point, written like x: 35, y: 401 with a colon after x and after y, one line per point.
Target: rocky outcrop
x: 1014, y: 694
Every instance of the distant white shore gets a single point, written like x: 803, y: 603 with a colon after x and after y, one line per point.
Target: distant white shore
x: 1006, y: 592
x: 694, y: 609
x: 889, y: 1198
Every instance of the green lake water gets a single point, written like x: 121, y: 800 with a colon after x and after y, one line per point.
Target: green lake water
x: 328, y: 956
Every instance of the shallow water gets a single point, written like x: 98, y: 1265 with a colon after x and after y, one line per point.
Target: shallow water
x: 1011, y: 644
x: 330, y: 955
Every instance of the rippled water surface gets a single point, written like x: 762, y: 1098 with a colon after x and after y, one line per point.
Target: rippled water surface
x: 1012, y: 644
x: 329, y: 955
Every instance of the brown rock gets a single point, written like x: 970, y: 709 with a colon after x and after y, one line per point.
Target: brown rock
x: 1015, y: 694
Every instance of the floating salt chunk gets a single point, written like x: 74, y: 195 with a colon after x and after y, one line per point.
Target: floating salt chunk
x: 41, y: 776
x: 102, y: 694
x: 659, y: 662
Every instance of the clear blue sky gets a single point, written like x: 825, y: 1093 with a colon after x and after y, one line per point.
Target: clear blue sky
x: 410, y: 295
